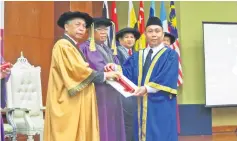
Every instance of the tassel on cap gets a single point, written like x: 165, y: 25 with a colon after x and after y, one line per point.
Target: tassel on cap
x: 92, y: 39
x: 113, y: 46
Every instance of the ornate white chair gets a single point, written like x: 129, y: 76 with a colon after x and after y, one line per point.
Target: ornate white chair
x: 24, y: 99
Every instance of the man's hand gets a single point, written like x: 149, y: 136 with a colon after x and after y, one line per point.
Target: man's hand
x: 109, y: 67
x: 112, y: 75
x: 4, y: 73
x: 140, y: 91
x: 87, y: 65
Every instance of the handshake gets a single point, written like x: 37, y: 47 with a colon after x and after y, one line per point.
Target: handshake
x: 110, y: 72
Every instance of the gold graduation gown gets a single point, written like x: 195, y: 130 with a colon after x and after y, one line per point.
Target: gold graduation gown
x: 71, y: 108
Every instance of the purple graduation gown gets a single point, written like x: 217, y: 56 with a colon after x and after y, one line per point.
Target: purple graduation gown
x: 111, y: 120
x: 3, y: 99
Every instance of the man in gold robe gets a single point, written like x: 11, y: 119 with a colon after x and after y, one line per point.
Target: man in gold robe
x: 71, y: 108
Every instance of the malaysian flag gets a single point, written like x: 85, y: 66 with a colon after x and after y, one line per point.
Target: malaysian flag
x: 172, y: 28
x: 1, y: 26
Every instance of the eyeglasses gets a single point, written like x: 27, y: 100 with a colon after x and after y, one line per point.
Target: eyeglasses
x: 101, y: 29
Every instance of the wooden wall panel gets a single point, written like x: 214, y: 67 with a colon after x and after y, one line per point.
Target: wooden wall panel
x: 97, y: 8
x: 29, y: 27
x: 59, y: 8
x: 83, y: 6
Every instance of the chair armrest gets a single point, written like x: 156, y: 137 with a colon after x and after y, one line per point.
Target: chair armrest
x: 27, y: 119
x: 9, y: 114
x: 42, y: 108
x: 5, y: 110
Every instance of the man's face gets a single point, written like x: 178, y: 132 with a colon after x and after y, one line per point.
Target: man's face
x: 154, y: 35
x: 76, y: 28
x: 128, y: 40
x: 101, y: 33
x: 167, y: 41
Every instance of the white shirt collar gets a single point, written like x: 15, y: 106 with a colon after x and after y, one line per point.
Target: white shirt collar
x: 71, y: 38
x: 155, y: 50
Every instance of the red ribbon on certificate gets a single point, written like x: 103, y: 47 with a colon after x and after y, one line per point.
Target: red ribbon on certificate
x: 126, y: 86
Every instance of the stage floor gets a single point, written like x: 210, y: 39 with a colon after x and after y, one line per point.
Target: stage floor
x: 214, y: 137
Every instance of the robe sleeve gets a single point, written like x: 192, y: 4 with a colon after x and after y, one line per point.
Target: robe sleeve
x: 3, y: 87
x: 120, y: 57
x: 166, y: 80
x: 127, y: 68
x: 74, y: 71
x: 3, y: 93
x: 116, y: 60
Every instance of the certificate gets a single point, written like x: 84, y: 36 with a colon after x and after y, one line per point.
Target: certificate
x: 123, y: 85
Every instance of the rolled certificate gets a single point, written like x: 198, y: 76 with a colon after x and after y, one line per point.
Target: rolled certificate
x: 126, y: 86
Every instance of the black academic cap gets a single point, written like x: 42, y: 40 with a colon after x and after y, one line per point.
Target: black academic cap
x: 154, y: 21
x: 71, y: 15
x: 123, y: 31
x: 172, y: 38
x: 102, y: 21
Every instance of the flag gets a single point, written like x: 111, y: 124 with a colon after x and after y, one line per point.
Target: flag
x: 141, y: 42
x: 163, y: 16
x: 105, y: 13
x: 114, y: 18
x: 152, y: 9
x: 132, y: 20
x: 1, y: 26
x: 114, y: 15
x: 172, y: 28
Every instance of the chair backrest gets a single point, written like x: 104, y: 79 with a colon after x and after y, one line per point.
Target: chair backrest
x: 24, y: 87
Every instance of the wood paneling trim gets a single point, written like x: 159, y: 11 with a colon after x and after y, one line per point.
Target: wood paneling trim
x: 230, y: 128
x: 59, y: 8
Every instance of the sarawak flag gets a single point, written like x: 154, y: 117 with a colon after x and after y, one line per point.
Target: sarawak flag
x: 141, y: 42
x: 1, y: 26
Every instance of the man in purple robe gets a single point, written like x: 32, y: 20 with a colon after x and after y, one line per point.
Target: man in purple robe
x: 4, y: 77
x: 98, y: 54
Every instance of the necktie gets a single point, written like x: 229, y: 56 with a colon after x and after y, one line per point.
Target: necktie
x: 130, y: 52
x: 147, y: 62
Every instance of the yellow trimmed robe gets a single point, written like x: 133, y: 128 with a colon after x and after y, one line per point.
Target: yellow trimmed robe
x: 71, y: 108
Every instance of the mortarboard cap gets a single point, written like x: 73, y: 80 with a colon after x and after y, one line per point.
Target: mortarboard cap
x: 71, y: 15
x: 123, y: 31
x: 172, y: 38
x: 154, y: 21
